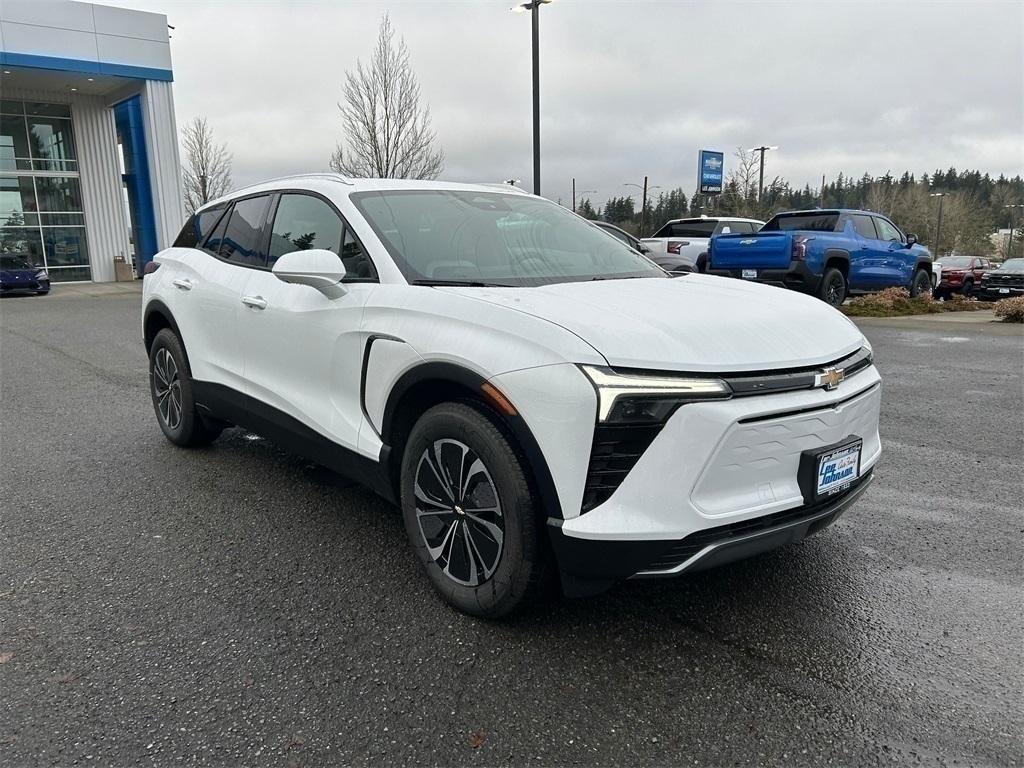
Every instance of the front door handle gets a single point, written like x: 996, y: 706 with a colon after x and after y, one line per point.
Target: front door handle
x: 256, y: 302
x: 184, y: 283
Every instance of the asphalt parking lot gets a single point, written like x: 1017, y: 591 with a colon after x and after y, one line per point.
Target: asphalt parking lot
x: 235, y: 605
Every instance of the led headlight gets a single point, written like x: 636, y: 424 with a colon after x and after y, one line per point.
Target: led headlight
x: 634, y: 398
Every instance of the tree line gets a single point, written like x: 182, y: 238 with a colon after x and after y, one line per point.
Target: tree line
x: 973, y: 205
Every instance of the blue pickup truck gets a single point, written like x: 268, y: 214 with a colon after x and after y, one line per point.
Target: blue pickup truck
x: 826, y: 253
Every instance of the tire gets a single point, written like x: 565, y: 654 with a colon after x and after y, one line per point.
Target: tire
x: 702, y: 264
x: 968, y: 288
x: 501, y: 563
x: 833, y: 287
x: 921, y: 284
x: 170, y: 387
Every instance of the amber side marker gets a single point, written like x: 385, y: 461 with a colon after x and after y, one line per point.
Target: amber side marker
x: 497, y: 399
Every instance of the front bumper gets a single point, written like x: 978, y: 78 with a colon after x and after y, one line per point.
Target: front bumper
x: 995, y: 292
x: 591, y: 566
x: 714, y: 469
x: 797, y: 277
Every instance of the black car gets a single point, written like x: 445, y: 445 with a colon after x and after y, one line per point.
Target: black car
x: 1004, y: 282
x: 667, y: 261
x: 19, y: 275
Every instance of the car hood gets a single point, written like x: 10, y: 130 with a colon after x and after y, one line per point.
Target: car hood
x: 695, y: 323
x: 18, y: 274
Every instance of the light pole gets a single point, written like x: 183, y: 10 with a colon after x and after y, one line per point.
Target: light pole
x: 1009, y: 240
x: 534, y: 7
x: 643, y: 202
x: 760, y: 173
x: 583, y: 192
x: 938, y: 225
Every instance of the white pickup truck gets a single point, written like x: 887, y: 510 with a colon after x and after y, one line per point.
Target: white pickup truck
x: 681, y: 245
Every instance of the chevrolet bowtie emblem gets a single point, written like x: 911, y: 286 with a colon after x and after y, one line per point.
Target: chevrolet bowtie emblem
x: 830, y: 378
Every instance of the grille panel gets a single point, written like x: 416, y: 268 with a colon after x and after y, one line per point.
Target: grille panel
x: 615, y: 451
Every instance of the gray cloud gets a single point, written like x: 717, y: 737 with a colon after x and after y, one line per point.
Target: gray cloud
x: 628, y: 88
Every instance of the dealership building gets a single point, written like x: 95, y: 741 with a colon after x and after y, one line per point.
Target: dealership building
x: 89, y: 169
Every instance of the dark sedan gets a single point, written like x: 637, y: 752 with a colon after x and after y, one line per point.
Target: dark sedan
x: 18, y: 275
x: 1004, y: 282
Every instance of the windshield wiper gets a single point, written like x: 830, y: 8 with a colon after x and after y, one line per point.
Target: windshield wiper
x: 463, y: 283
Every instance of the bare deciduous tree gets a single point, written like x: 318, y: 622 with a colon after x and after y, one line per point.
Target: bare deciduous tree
x: 387, y: 131
x: 207, y: 173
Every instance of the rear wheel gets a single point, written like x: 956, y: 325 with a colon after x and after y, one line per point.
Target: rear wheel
x: 921, y: 285
x: 469, y: 512
x: 833, y: 287
x: 171, y: 389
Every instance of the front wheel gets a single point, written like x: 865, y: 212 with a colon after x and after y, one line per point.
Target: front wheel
x: 968, y: 287
x: 702, y: 263
x: 921, y: 285
x: 833, y: 287
x: 469, y: 512
x: 171, y: 389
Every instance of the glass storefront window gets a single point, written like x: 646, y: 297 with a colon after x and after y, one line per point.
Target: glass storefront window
x: 26, y: 242
x: 13, y: 143
x: 52, y: 143
x: 59, y: 193
x: 65, y: 246
x: 17, y: 201
x: 41, y: 214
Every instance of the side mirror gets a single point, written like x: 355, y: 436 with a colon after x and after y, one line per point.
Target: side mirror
x: 911, y: 240
x: 316, y: 268
x: 644, y: 248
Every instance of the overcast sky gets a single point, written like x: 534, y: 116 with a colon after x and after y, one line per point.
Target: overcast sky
x: 628, y: 88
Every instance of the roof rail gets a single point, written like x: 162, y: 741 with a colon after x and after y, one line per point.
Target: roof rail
x: 326, y: 175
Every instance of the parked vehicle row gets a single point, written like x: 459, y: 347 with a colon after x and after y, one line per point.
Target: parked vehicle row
x: 685, y: 241
x: 825, y: 253
x: 536, y: 395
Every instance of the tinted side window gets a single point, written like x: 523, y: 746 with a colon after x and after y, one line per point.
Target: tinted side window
x: 241, y: 243
x: 887, y: 231
x: 198, y: 227
x: 303, y: 222
x: 864, y: 226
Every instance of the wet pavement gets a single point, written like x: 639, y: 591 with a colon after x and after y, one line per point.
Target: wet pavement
x: 236, y: 605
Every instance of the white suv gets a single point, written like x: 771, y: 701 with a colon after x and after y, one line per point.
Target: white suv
x: 537, y: 396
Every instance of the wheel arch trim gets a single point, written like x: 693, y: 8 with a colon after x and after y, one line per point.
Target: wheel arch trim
x: 453, y: 373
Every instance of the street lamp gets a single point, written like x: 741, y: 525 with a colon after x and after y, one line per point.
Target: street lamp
x: 584, y: 192
x: 1009, y: 241
x: 938, y: 226
x: 760, y: 181
x: 534, y: 7
x: 643, y: 202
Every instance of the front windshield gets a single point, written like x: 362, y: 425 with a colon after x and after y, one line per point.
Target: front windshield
x: 494, y: 238
x: 1013, y: 265
x: 956, y: 262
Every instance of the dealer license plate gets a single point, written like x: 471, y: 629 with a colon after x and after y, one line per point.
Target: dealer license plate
x: 750, y: 274
x: 838, y: 468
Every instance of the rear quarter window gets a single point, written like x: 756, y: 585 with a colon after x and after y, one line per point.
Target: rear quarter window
x: 198, y: 227
x: 803, y: 222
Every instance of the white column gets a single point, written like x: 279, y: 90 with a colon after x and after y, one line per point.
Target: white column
x: 106, y: 220
x: 164, y: 160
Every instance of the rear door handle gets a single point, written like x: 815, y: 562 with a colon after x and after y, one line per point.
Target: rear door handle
x: 184, y: 283
x: 256, y: 302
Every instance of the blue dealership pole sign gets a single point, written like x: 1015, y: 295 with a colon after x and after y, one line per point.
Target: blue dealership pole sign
x: 709, y: 172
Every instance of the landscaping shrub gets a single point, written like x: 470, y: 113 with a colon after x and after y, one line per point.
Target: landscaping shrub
x: 896, y: 302
x: 1010, y: 310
